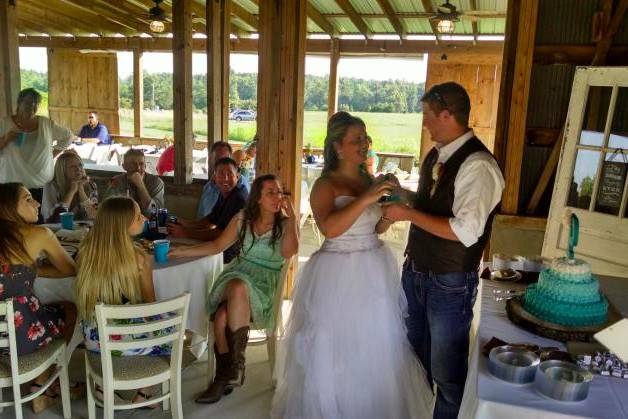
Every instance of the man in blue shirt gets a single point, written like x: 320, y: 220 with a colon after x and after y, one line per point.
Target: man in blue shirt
x: 94, y: 131
x: 211, y: 192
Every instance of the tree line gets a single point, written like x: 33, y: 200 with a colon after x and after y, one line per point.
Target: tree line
x: 355, y: 95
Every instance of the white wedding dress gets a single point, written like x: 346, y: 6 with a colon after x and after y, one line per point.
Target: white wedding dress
x: 347, y: 355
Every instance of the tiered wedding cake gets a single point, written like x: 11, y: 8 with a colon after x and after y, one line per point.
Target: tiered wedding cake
x: 568, y: 295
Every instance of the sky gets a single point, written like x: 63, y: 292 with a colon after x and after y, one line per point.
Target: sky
x: 412, y: 70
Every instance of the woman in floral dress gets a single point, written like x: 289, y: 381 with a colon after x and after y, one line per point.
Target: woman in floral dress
x: 21, y: 242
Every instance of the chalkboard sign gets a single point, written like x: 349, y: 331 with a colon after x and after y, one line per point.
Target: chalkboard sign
x: 611, y: 187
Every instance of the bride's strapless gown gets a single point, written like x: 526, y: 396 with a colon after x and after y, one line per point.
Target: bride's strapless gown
x: 347, y: 355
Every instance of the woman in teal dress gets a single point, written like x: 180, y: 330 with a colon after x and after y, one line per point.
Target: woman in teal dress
x: 267, y: 234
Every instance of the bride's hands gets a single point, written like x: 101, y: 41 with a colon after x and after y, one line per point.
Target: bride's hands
x: 377, y: 190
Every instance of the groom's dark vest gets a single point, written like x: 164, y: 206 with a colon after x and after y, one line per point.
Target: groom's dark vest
x: 428, y: 252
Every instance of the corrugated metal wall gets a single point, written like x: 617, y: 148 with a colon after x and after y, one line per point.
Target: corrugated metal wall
x: 567, y: 22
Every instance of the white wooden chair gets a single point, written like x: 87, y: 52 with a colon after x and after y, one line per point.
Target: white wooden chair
x: 306, y: 215
x: 271, y: 341
x: 15, y: 370
x: 137, y: 372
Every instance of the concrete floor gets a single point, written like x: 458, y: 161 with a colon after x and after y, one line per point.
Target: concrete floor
x: 251, y: 401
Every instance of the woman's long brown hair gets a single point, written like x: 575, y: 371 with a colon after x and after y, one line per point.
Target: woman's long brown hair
x: 12, y: 247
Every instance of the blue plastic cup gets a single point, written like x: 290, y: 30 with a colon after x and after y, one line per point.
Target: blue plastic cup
x: 19, y: 141
x: 67, y: 220
x: 161, y: 250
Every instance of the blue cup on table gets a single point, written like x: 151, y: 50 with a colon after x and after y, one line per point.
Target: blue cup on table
x: 161, y: 250
x: 19, y: 141
x: 67, y: 220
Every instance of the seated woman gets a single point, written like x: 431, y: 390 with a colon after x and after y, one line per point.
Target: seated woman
x: 372, y: 160
x: 246, y: 288
x: 21, y: 242
x: 113, y: 270
x: 70, y: 190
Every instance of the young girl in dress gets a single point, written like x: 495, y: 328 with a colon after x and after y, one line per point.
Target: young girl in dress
x: 113, y: 270
x: 21, y: 243
x: 267, y: 234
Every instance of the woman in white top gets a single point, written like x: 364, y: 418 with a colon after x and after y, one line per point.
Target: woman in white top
x: 26, y: 144
x: 70, y: 190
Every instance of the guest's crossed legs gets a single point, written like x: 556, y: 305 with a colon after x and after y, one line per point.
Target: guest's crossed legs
x: 234, y: 312
x: 439, y: 318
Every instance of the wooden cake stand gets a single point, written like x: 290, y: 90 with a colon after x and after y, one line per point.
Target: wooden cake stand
x: 524, y: 319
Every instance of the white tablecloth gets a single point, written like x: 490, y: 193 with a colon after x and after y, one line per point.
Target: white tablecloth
x: 488, y: 397
x: 170, y: 279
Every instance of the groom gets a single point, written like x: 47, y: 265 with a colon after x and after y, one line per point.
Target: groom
x: 460, y: 187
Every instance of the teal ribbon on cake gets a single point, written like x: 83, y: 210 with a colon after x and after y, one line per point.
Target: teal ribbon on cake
x: 574, y: 232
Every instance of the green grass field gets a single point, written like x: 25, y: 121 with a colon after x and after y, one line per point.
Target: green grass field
x: 391, y: 132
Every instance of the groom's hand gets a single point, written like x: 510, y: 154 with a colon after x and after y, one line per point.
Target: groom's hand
x: 396, y: 211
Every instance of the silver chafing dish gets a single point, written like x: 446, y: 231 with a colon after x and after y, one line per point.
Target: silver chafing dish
x: 562, y: 380
x: 513, y: 364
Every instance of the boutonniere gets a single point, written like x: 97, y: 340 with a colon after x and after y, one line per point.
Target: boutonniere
x: 437, y: 172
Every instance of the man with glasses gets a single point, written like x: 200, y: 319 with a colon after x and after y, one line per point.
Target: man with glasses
x: 94, y: 131
x: 460, y: 187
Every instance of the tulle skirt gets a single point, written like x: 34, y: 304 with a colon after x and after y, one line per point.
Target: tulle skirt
x: 347, y: 354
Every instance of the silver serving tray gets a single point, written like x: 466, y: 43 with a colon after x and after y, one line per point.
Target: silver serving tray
x: 562, y: 380
x: 513, y: 364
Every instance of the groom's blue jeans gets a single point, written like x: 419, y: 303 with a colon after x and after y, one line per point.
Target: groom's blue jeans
x: 440, y: 310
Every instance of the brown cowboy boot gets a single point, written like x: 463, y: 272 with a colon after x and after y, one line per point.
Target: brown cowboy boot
x: 237, y: 346
x: 220, y: 386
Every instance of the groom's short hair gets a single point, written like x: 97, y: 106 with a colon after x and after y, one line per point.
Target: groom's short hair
x: 452, y: 97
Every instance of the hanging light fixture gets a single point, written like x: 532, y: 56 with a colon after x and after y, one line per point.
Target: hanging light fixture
x: 157, y: 16
x: 157, y: 26
x: 446, y: 18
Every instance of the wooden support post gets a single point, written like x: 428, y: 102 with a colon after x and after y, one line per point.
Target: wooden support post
x: 182, y: 90
x: 9, y: 58
x: 280, y: 93
x: 218, y: 50
x: 526, y: 31
x: 334, y: 79
x: 138, y: 93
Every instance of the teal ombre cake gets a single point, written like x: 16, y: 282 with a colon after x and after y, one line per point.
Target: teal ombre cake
x: 568, y: 295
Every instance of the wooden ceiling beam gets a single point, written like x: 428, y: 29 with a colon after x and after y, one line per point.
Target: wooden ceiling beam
x: 133, y: 20
x: 359, y: 23
x: 91, y: 8
x: 378, y: 47
x: 54, y: 28
x: 249, y: 18
x: 471, y: 14
x: 392, y: 17
x: 59, y: 15
x: 322, y: 22
x: 427, y: 5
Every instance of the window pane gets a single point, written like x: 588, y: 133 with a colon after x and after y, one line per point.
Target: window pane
x: 612, y: 180
x: 619, y: 126
x: 595, y: 116
x: 583, y: 179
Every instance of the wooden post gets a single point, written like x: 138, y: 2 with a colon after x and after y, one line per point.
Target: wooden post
x: 217, y: 49
x: 9, y: 58
x: 182, y: 90
x: 280, y: 93
x: 526, y: 31
x: 138, y: 93
x: 332, y: 98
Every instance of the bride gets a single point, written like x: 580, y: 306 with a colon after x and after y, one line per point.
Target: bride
x: 347, y: 355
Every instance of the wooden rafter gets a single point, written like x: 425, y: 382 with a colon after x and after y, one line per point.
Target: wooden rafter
x: 474, y: 24
x: 471, y: 14
x: 54, y: 28
x: 427, y: 5
x: 71, y: 9
x: 392, y: 17
x: 145, y: 5
x: 355, y: 18
x: 126, y: 27
x: 321, y: 21
x: 249, y: 18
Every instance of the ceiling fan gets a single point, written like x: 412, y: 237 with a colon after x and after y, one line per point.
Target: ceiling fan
x: 446, y: 17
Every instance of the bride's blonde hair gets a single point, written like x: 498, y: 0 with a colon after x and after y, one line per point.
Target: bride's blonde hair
x: 108, y: 268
